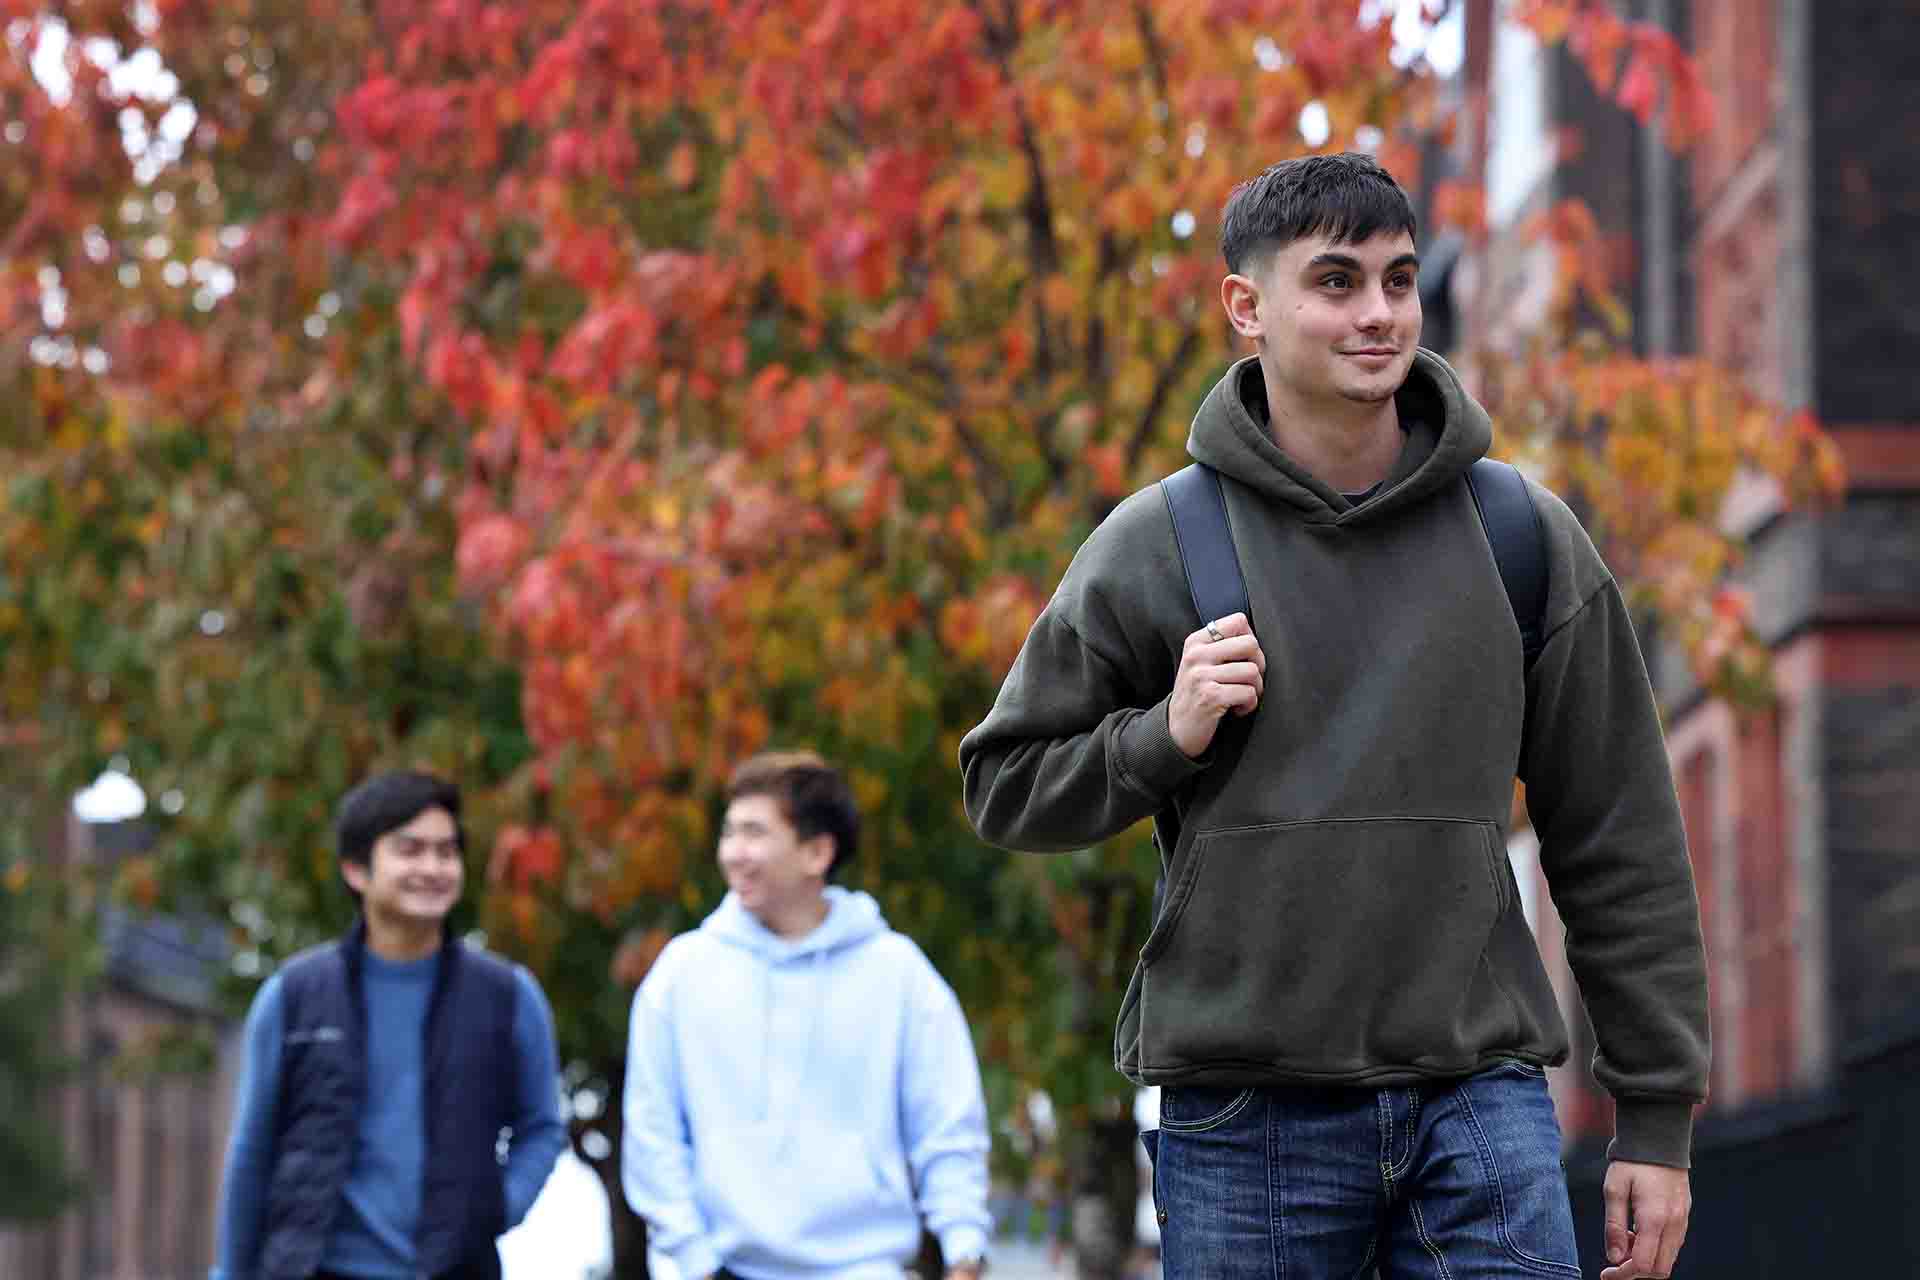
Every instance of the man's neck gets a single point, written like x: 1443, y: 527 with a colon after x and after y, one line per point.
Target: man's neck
x: 401, y: 941
x: 1350, y: 445
x: 796, y: 920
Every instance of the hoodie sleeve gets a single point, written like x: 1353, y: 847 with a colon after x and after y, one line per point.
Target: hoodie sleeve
x: 656, y: 1149
x: 1601, y: 796
x: 1064, y: 760
x: 243, y: 1195
x: 1076, y: 748
x: 944, y: 1120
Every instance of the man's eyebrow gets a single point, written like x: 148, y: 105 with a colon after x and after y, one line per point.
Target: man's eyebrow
x: 1347, y: 262
x: 1342, y: 260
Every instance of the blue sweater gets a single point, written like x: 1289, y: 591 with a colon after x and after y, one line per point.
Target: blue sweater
x: 380, y: 1205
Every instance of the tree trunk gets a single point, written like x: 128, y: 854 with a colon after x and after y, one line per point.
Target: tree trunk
x: 629, y: 1229
x: 1106, y: 1188
x: 629, y: 1236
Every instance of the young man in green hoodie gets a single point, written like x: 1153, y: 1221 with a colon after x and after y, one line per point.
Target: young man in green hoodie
x: 1340, y: 993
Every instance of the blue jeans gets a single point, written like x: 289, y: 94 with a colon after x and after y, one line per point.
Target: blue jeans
x: 1454, y: 1180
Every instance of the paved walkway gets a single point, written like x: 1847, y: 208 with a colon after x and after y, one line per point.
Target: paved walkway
x: 1026, y: 1261
x: 1023, y: 1260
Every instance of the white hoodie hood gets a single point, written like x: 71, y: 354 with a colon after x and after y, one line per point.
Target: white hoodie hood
x: 786, y: 1096
x: 852, y: 918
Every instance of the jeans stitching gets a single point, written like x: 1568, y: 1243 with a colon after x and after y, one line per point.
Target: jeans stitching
x: 1383, y: 1117
x: 1276, y: 1198
x: 1214, y: 1121
x: 1420, y: 1229
x: 1413, y: 1115
x: 1390, y: 1167
x: 1490, y: 1169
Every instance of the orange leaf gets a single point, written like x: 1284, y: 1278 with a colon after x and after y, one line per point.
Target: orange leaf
x: 683, y: 166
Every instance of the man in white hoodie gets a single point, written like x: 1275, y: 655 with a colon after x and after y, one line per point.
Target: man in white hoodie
x: 801, y: 1085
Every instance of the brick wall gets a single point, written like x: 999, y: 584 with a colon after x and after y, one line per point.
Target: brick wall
x: 1866, y: 208
x: 1873, y: 806
x: 1733, y: 40
x: 1736, y: 176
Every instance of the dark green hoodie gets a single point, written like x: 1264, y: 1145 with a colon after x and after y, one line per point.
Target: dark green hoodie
x: 1339, y: 905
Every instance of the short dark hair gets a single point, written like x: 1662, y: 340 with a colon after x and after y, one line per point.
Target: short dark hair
x: 1347, y: 197
x: 386, y: 802
x: 811, y: 793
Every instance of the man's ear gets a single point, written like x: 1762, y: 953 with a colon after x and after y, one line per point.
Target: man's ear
x: 356, y: 874
x: 1241, y: 297
x: 818, y: 851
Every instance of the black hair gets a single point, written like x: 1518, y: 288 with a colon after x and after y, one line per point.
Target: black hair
x: 1347, y: 197
x: 386, y: 802
x: 811, y: 794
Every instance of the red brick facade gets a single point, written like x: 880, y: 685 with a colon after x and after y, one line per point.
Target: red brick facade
x: 1776, y: 236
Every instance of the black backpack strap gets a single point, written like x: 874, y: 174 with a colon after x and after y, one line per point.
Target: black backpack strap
x: 1200, y: 530
x: 1198, y: 506
x: 1519, y: 546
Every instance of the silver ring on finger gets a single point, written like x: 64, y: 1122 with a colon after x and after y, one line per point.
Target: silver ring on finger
x: 1213, y: 633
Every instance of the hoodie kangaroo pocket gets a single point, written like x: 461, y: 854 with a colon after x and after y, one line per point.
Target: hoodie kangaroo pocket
x: 1329, y: 948
x: 814, y: 1184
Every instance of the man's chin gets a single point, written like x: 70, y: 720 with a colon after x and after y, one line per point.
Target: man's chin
x: 1381, y: 385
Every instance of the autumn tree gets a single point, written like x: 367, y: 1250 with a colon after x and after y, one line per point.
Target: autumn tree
x: 577, y: 396
x: 40, y: 966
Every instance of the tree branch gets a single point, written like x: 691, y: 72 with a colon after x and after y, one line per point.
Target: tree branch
x: 1095, y: 356
x: 1156, y: 52
x: 1002, y: 35
x: 1163, y: 383
x: 945, y: 394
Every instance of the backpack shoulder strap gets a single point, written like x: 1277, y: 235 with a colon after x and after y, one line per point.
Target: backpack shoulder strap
x: 1200, y: 530
x: 1519, y: 546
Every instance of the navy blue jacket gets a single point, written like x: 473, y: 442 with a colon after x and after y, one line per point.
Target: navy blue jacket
x: 470, y: 1095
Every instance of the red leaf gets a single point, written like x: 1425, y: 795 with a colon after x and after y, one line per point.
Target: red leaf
x: 490, y: 550
x: 368, y: 198
x: 1640, y: 88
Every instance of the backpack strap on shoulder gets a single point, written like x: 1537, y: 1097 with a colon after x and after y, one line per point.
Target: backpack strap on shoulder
x: 1519, y: 546
x: 1200, y: 530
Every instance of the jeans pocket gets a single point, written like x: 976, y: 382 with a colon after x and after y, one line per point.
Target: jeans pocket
x: 1197, y: 1108
x: 1512, y: 1120
x: 1524, y: 1070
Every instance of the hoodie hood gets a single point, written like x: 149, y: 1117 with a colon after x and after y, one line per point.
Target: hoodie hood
x: 852, y: 918
x: 1447, y: 432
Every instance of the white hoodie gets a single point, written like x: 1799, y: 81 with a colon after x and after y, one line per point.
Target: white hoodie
x: 784, y: 1100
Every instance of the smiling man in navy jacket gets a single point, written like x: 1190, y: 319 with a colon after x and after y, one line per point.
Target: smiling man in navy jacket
x: 381, y: 1069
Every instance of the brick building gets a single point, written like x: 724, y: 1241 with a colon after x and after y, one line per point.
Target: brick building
x: 1783, y: 247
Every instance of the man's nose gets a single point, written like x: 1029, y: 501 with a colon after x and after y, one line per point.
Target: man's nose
x: 1375, y: 311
